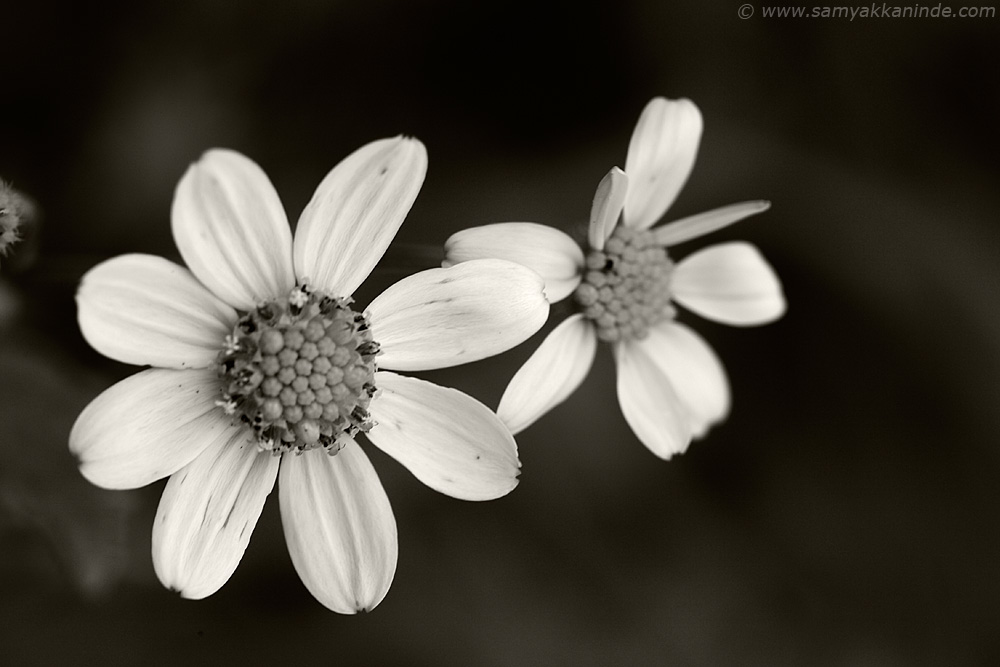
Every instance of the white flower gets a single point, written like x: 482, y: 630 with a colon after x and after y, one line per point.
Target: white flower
x: 261, y: 327
x: 671, y: 387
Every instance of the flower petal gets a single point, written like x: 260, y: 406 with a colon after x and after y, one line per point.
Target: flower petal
x: 729, y: 283
x: 449, y: 441
x: 608, y: 203
x: 548, y: 251
x: 445, y: 317
x: 207, y: 512
x: 649, y: 403
x: 660, y: 157
x: 355, y: 213
x: 147, y: 426
x: 339, y: 527
x: 231, y: 230
x: 695, y: 372
x: 694, y: 226
x: 141, y: 309
x: 550, y: 375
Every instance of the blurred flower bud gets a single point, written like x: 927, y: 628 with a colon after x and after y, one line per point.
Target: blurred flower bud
x: 19, y: 217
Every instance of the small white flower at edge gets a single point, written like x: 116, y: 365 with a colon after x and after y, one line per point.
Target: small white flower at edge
x: 262, y: 371
x: 671, y: 386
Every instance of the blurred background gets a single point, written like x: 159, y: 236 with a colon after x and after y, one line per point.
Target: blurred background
x: 845, y: 514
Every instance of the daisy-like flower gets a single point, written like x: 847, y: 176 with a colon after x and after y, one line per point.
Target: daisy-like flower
x: 671, y: 386
x: 263, y: 371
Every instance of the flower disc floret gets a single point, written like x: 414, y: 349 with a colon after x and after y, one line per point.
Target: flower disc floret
x: 626, y: 286
x: 300, y: 372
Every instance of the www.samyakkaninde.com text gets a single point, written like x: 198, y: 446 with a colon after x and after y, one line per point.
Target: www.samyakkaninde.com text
x: 876, y: 11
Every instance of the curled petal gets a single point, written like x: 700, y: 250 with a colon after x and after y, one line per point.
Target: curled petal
x: 445, y: 317
x: 356, y: 212
x: 449, y: 441
x: 694, y: 226
x: 729, y: 283
x: 649, y: 403
x: 548, y: 251
x: 207, y: 512
x: 660, y: 157
x: 141, y: 309
x: 550, y: 375
x: 339, y: 527
x: 608, y: 203
x: 696, y: 374
x: 231, y: 230
x: 148, y: 426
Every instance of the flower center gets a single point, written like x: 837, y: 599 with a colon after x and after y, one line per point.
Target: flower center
x: 626, y: 287
x: 300, y: 371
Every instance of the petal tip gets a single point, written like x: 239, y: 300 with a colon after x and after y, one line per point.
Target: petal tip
x: 411, y: 145
x: 779, y: 309
x: 661, y: 104
x: 219, y: 158
x: 216, y: 151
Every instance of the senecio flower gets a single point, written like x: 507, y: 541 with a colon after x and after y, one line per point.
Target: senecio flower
x: 671, y: 386
x: 263, y: 371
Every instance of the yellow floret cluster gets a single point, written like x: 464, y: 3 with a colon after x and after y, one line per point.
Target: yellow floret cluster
x: 300, y: 371
x: 626, y: 286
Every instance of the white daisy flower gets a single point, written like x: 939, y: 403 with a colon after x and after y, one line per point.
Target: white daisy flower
x: 263, y: 371
x: 671, y: 386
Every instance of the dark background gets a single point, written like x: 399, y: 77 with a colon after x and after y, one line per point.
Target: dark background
x: 845, y: 514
